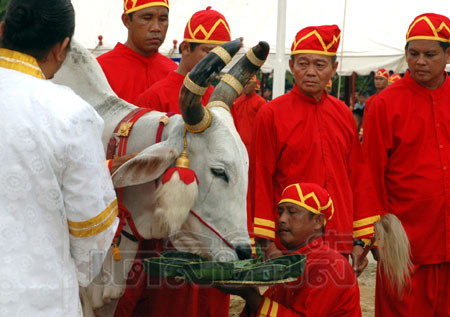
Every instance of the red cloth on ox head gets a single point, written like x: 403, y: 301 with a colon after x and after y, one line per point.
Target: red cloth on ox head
x: 207, y: 26
x: 131, y: 6
x: 322, y: 40
x: 382, y: 73
x: 310, y: 196
x: 429, y: 26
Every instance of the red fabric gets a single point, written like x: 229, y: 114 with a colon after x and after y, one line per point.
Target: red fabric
x: 130, y: 6
x: 207, y: 26
x: 163, y: 95
x: 186, y: 175
x: 244, y: 112
x: 300, y: 140
x: 129, y: 74
x: 323, y: 39
x: 394, y: 78
x: 429, y: 26
x: 328, y: 287
x: 428, y: 296
x: 408, y: 146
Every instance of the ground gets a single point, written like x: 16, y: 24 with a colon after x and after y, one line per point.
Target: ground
x: 366, y: 285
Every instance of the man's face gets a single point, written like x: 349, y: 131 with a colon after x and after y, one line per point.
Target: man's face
x: 297, y: 226
x: 147, y: 29
x: 426, y: 62
x: 312, y: 72
x: 250, y: 87
x: 380, y: 82
x: 192, y: 57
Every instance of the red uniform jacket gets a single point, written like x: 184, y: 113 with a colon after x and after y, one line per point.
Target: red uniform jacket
x: 129, y: 74
x: 300, y: 140
x: 163, y: 95
x: 408, y: 147
x: 244, y: 112
x: 328, y: 287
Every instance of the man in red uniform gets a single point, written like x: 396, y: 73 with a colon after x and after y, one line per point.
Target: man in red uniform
x: 133, y: 67
x: 381, y: 81
x: 205, y: 30
x: 328, y: 286
x: 408, y: 147
x: 163, y: 96
x: 310, y: 136
x: 244, y: 111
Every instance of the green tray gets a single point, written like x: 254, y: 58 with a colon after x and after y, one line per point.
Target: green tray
x: 195, y: 269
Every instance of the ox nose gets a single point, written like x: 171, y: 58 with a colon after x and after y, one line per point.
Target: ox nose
x: 244, y: 251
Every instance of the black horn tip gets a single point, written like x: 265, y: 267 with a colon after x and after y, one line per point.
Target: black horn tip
x: 262, y: 50
x: 232, y: 47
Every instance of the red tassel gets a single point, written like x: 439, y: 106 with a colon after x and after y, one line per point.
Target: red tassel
x: 187, y: 175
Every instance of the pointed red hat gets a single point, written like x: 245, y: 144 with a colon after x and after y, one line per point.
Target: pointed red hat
x: 131, y: 6
x: 429, y: 26
x: 394, y: 77
x: 207, y: 26
x: 310, y: 196
x: 322, y: 39
x: 382, y: 73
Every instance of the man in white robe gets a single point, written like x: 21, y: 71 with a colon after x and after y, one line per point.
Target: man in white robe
x: 58, y: 210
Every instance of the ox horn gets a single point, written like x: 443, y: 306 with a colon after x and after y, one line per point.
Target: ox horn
x: 196, y: 83
x: 231, y: 84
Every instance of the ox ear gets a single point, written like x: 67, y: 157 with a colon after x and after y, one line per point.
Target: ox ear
x: 145, y: 167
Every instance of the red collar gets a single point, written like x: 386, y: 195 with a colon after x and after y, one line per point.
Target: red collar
x: 309, y: 99
x: 123, y: 49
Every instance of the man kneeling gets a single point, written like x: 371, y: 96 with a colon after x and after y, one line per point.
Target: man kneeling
x: 328, y: 286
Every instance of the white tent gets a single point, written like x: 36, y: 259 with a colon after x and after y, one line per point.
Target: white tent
x: 373, y: 31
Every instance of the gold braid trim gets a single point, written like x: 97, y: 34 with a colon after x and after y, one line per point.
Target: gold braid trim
x: 193, y: 87
x: 202, y: 125
x: 222, y: 53
x: 218, y: 103
x: 233, y: 82
x: 253, y: 59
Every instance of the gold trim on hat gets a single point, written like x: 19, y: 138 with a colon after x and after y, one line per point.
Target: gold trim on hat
x: 322, y: 42
x: 207, y: 34
x: 435, y: 31
x: 193, y: 87
x: 220, y: 104
x: 202, y: 125
x: 253, y: 59
x: 146, y: 5
x: 222, y: 53
x: 233, y: 82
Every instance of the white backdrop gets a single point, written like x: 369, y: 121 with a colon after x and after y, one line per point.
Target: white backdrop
x: 373, y: 37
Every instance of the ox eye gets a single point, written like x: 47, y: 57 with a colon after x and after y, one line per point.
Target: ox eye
x: 220, y: 172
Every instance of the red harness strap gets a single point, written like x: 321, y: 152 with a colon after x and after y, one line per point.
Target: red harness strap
x: 122, y: 131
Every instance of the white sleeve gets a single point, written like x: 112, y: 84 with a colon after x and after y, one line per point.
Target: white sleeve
x: 89, y: 197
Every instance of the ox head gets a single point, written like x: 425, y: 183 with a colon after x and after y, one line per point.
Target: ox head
x: 217, y: 226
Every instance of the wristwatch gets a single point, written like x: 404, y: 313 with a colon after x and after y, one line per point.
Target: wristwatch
x: 359, y: 242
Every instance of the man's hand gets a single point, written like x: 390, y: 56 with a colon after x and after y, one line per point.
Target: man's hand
x: 358, y: 264
x: 270, y: 249
x: 249, y: 294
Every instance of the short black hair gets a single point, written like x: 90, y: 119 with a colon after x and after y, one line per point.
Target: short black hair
x: 34, y: 27
x: 443, y: 45
x: 192, y: 46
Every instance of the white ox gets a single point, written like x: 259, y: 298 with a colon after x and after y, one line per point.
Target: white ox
x: 217, y: 155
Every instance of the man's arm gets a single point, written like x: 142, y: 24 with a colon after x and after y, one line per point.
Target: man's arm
x: 89, y: 197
